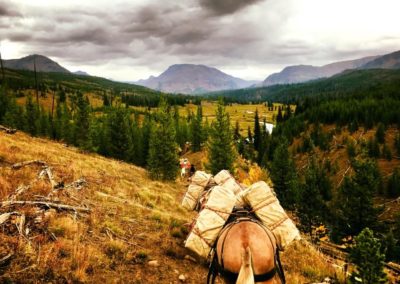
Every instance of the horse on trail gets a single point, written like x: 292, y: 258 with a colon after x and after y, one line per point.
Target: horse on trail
x: 246, y: 253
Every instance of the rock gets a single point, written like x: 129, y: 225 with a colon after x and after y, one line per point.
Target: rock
x: 176, y: 271
x: 182, y: 278
x: 191, y: 258
x: 153, y: 263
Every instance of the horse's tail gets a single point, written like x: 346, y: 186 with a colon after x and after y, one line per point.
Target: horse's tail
x: 246, y: 275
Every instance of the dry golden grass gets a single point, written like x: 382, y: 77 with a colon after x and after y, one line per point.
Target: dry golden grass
x: 133, y: 220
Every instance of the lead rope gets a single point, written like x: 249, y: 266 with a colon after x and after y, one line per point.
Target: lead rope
x: 278, y: 263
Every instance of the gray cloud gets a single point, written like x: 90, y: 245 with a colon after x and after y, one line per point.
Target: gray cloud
x: 223, y: 7
x: 155, y: 34
x: 7, y: 10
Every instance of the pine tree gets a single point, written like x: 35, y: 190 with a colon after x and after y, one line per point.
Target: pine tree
x: 118, y: 134
x: 146, y: 129
x: 81, y: 121
x: 373, y: 148
x: 196, y: 130
x: 393, y: 184
x: 257, y: 132
x: 236, y: 133
x: 397, y: 143
x: 283, y: 175
x: 4, y: 102
x: 279, y: 117
x: 31, y: 116
x: 221, y: 153
x: 163, y: 156
x: 354, y: 209
x: 380, y: 133
x: 312, y: 208
x: 368, y: 257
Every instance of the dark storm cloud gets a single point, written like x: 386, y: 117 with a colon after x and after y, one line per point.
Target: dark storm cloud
x: 7, y: 10
x: 155, y: 34
x: 223, y: 7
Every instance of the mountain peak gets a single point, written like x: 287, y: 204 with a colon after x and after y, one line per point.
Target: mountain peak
x: 193, y: 79
x: 43, y: 64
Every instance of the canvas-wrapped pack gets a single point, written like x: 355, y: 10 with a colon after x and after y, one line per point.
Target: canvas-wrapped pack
x: 196, y: 188
x: 211, y: 220
x: 266, y: 206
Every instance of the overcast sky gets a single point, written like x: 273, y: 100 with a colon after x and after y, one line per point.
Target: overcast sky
x: 133, y: 39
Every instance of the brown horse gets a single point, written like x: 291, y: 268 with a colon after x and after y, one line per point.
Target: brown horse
x: 246, y: 254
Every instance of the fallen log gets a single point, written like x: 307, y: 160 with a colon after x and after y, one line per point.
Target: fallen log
x: 43, y: 203
x: 27, y: 163
x: 8, y: 130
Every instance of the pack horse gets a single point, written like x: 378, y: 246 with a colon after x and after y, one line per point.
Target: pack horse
x: 239, y: 230
x: 246, y: 253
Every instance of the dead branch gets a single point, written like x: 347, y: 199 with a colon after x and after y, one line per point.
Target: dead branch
x: 47, y: 204
x: 341, y: 180
x: 27, y: 163
x: 21, y: 189
x: 5, y: 259
x: 78, y: 184
x: 8, y: 130
x: 110, y: 233
x: 4, y: 217
x: 47, y: 171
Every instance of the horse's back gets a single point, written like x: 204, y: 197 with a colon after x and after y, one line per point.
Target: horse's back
x: 236, y: 239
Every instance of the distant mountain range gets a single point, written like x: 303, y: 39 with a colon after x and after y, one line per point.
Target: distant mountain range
x: 303, y: 73
x: 388, y: 61
x: 194, y: 79
x: 43, y: 64
x: 198, y: 79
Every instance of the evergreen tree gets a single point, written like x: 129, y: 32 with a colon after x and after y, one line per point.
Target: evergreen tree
x: 312, y: 208
x: 279, y: 117
x: 163, y: 156
x: 81, y: 122
x: 386, y: 152
x: 119, y: 134
x: 354, y: 209
x: 257, y: 132
x: 43, y: 127
x: 137, y: 143
x: 4, y: 101
x: 146, y: 129
x: 236, y: 133
x: 249, y: 135
x: 397, y: 144
x: 393, y: 184
x: 380, y: 133
x: 373, y: 148
x: 197, y: 130
x: 283, y: 175
x: 31, y: 115
x: 221, y: 153
x: 368, y: 257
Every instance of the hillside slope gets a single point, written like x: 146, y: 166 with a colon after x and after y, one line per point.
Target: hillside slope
x: 193, y: 79
x: 132, y: 221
